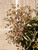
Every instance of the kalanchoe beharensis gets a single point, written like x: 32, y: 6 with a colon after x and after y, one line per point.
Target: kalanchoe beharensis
x: 23, y: 27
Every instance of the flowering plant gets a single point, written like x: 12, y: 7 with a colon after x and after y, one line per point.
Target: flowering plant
x: 24, y: 27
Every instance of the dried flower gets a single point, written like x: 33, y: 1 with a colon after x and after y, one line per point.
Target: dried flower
x: 18, y: 22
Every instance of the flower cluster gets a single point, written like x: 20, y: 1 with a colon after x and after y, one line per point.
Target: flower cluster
x: 18, y: 19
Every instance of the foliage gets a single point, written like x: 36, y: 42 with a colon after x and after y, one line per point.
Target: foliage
x: 30, y: 36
